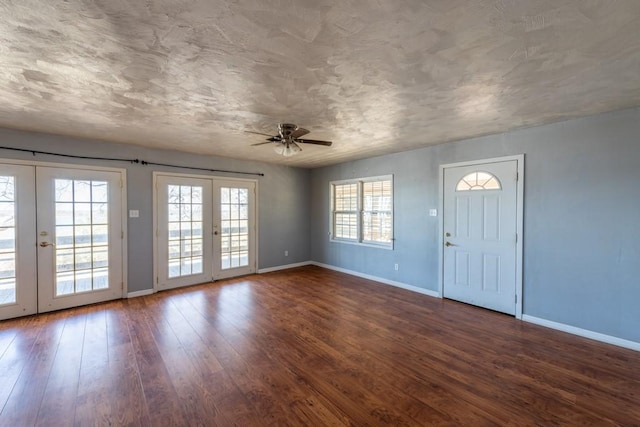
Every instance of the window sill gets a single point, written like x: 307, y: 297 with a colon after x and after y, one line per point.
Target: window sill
x: 387, y: 246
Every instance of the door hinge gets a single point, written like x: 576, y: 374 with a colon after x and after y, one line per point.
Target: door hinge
x: 157, y: 280
x: 517, y: 176
x: 516, y: 298
x: 122, y: 285
x: 516, y: 237
x: 122, y: 234
x: 121, y: 184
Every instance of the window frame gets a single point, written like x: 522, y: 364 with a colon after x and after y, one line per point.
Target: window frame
x: 359, y: 240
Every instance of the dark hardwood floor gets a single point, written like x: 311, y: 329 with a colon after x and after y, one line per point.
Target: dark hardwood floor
x: 308, y: 347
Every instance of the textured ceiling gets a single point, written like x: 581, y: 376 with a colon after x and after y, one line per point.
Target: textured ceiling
x: 375, y: 77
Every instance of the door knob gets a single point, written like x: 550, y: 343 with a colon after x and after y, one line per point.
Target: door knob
x: 45, y: 244
x: 215, y: 232
x: 447, y: 244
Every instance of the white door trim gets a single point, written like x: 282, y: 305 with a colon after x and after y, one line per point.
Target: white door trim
x: 519, y: 222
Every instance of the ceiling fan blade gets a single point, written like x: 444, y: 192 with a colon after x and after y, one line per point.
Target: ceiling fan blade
x: 262, y: 143
x: 315, y: 141
x: 298, y: 133
x: 257, y: 133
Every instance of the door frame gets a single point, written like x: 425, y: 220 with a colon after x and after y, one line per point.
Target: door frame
x: 213, y: 179
x: 123, y: 194
x: 519, y: 158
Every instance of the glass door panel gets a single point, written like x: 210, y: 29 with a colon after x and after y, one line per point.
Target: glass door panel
x: 234, y: 227
x: 185, y: 230
x: 82, y: 236
x: 7, y: 240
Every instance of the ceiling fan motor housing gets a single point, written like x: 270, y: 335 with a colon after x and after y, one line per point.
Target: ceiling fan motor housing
x: 287, y: 129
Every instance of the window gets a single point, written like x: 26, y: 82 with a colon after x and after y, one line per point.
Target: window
x: 478, y: 181
x: 362, y: 211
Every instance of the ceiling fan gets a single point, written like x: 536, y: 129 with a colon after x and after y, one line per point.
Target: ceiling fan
x: 288, y: 138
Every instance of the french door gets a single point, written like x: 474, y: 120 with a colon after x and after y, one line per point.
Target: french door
x: 234, y: 224
x: 18, y: 277
x: 183, y: 241
x: 61, y: 238
x: 80, y: 237
x: 205, y: 229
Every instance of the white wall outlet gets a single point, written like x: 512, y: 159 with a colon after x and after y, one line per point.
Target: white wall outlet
x: 286, y: 253
x: 396, y: 266
x: 433, y: 212
x: 134, y: 213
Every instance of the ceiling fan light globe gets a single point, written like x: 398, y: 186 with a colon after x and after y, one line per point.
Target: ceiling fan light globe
x: 291, y: 149
x: 288, y: 151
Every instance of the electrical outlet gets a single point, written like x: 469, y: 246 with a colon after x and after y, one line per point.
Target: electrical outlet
x: 286, y: 253
x: 396, y: 266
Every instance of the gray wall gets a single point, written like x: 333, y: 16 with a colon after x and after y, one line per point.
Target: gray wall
x: 283, y: 216
x: 581, y: 233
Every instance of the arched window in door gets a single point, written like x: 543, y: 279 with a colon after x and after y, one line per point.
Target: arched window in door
x: 478, y: 181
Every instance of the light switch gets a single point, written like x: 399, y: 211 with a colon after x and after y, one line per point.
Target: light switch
x: 433, y: 212
x: 134, y: 214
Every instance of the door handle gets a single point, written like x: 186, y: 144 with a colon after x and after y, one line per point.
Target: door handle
x: 447, y: 244
x: 215, y: 232
x: 45, y: 244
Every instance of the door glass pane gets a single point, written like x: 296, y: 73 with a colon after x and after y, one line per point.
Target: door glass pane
x: 234, y: 227
x: 7, y: 240
x: 81, y: 236
x: 185, y: 230
x: 478, y: 181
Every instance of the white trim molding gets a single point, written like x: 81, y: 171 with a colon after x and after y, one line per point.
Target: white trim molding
x: 283, y: 267
x: 582, y: 332
x: 142, y: 293
x: 401, y: 285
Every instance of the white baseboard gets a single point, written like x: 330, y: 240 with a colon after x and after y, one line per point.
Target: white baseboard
x: 379, y: 279
x: 283, y: 267
x: 140, y: 293
x: 583, y: 332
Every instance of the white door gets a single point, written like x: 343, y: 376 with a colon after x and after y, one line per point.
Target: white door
x: 234, y: 228
x: 184, y: 231
x: 479, y: 224
x: 205, y: 229
x: 60, y: 238
x: 80, y: 237
x: 18, y: 286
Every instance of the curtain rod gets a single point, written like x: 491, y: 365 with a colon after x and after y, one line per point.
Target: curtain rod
x: 133, y: 161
